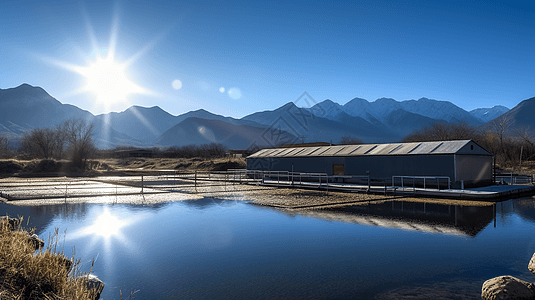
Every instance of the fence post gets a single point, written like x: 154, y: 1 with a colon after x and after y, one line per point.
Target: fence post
x: 142, y: 184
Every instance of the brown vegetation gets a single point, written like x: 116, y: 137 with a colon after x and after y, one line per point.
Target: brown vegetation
x: 514, y: 150
x: 72, y: 137
x: 26, y: 274
x: 350, y: 140
x: 116, y: 166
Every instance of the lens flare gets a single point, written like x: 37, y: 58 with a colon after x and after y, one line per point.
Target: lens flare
x: 206, y: 133
x: 234, y: 93
x: 177, y: 84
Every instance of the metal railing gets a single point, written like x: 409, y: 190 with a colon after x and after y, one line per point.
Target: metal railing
x: 515, y: 178
x: 424, y: 180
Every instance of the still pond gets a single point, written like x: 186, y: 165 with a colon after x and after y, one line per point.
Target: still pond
x: 222, y: 249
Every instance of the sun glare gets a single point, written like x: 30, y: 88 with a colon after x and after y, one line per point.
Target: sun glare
x: 108, y: 81
x: 106, y: 225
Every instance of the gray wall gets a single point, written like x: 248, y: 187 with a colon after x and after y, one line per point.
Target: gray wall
x: 473, y: 169
x: 380, y: 167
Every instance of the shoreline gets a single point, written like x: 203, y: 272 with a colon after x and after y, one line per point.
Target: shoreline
x: 118, y: 189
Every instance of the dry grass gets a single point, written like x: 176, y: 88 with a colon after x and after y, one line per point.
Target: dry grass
x: 26, y: 274
x: 117, y: 166
x: 181, y: 164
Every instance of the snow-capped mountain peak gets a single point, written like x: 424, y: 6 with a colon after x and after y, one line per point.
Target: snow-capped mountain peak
x: 487, y: 114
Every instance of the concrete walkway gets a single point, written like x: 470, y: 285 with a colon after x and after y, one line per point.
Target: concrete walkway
x: 494, y: 192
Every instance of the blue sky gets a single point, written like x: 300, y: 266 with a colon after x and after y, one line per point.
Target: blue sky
x: 472, y: 53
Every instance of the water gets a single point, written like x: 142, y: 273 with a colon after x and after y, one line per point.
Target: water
x: 220, y: 249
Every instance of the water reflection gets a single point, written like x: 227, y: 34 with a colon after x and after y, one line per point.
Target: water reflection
x: 467, y: 220
x: 105, y: 225
x: 213, y: 248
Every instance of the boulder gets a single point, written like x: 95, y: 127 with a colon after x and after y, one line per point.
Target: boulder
x: 36, y: 241
x: 531, y: 265
x: 93, y: 284
x: 507, y: 287
x: 11, y: 223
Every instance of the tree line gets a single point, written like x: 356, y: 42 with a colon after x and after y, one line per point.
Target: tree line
x: 72, y: 139
x: 509, y: 145
x: 212, y: 150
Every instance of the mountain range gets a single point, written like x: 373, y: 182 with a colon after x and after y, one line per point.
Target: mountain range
x: 383, y: 120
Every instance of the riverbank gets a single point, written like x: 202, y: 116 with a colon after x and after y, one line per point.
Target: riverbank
x: 162, y: 189
x: 29, y: 271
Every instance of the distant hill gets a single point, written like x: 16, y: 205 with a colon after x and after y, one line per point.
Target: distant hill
x: 487, y: 114
x: 145, y: 123
x: 400, y: 117
x: 26, y: 107
x: 521, y: 116
x: 384, y: 120
x: 202, y: 131
x: 312, y: 128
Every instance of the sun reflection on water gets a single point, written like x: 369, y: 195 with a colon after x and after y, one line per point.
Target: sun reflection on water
x: 106, y: 225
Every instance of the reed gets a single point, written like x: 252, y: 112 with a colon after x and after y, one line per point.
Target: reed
x: 43, y: 274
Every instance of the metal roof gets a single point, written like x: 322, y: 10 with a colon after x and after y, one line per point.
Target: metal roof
x: 419, y: 148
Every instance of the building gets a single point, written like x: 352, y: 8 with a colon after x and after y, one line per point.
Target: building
x: 464, y: 162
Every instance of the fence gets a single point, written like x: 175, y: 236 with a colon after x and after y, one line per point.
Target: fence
x: 421, y: 181
x: 514, y: 178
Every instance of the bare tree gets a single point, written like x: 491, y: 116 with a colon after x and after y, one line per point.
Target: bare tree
x: 444, y: 132
x: 501, y: 127
x: 78, y: 135
x: 526, y: 137
x: 42, y: 143
x: 349, y: 140
x: 4, y: 143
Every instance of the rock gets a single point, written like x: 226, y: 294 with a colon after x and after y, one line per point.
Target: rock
x: 11, y: 223
x: 507, y: 287
x: 36, y: 241
x: 94, y: 284
x: 531, y: 265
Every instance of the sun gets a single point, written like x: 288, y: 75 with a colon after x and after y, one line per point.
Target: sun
x: 108, y: 81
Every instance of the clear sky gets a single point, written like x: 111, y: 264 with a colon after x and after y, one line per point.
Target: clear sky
x: 234, y: 58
